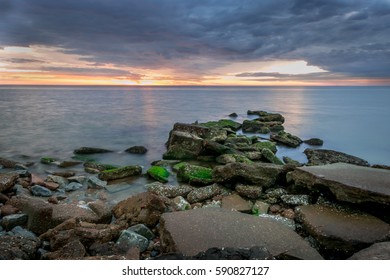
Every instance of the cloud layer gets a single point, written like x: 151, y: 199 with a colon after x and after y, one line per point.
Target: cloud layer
x: 194, y: 38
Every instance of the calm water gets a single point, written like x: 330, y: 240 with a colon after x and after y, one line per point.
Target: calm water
x: 53, y: 121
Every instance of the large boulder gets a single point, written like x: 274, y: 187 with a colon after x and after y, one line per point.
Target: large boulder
x: 322, y: 156
x: 339, y: 233
x: 264, y: 175
x: 143, y: 208
x: 183, y: 145
x: 287, y: 139
x: 7, y: 181
x: 346, y: 182
x: 119, y: 173
x: 194, y: 231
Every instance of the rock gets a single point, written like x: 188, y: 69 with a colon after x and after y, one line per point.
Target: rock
x: 4, y: 198
x: 180, y: 204
x: 90, y: 150
x: 8, y: 209
x: 143, y: 208
x: 142, y: 230
x: 7, y: 181
x: 169, y: 190
x: 282, y: 220
x: 286, y: 139
x: 61, y: 181
x: 137, y: 150
x: 253, y: 155
x: 377, y: 251
x: 24, y: 233
x: 119, y: 173
x: 129, y: 239
x: 95, y: 183
x: 236, y: 203
x: 295, y: 200
x: 275, y: 208
x: 225, y: 123
x: 340, y: 233
x: 195, y: 175
x: 102, y: 210
x: 288, y: 213
x: 249, y: 191
x: 97, y: 166
x: 201, y: 194
x: 321, y: 157
x: 260, y: 207
x: 253, y: 126
x: 158, y: 173
x: 254, y: 253
x: 381, y: 166
x: 38, y: 190
x: 236, y: 141
x: 184, y: 232
x: 269, y: 156
x: 261, y: 174
x: 77, y: 179
x: 271, y: 117
x: 347, y: 182
x: 65, y: 174
x: 67, y: 163
x: 11, y: 221
x: 233, y: 115
x: 314, y: 142
x: 47, y: 160
x: 51, y: 186
x: 73, y: 186
x: 71, y: 251
x: 217, y: 149
x: 290, y: 161
x: 7, y: 163
x: 183, y: 145
x: 275, y: 193
x: 18, y: 248
x: 259, y: 146
x: 36, y: 180
x: 231, y: 158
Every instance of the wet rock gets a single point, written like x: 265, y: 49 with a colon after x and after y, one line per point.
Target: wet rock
x: 377, y: 251
x: 231, y: 158
x: 8, y: 209
x: 236, y: 141
x: 67, y: 163
x: 7, y: 181
x: 95, y: 183
x: 71, y: 251
x: 129, y: 239
x: 180, y: 204
x: 253, y: 126
x: 77, y: 179
x: 119, y: 173
x: 288, y: 160
x: 286, y: 139
x: 201, y: 194
x: 282, y: 220
x: 97, y: 166
x: 143, y: 208
x: 90, y: 150
x: 295, y: 200
x: 51, y: 186
x: 24, y: 233
x: 269, y: 156
x: 102, y: 210
x: 314, y: 142
x: 288, y: 213
x: 7, y: 163
x: 340, y: 233
x: 216, y: 149
x: 249, y: 191
x: 73, y: 186
x: 142, y: 230
x: 61, y: 181
x: 65, y: 174
x: 236, y: 203
x: 322, y: 156
x: 233, y: 115
x: 17, y: 248
x: 11, y: 221
x: 253, y: 155
x: 260, y: 207
x: 184, y: 232
x: 158, y: 173
x: 261, y: 174
x: 195, y: 175
x: 47, y: 160
x: 268, y: 117
x: 346, y: 182
x: 259, y: 146
x: 224, y: 123
x: 183, y: 145
x: 137, y: 150
x: 38, y: 190
x: 169, y: 191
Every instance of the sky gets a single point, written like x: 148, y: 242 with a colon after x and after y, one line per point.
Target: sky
x: 195, y: 42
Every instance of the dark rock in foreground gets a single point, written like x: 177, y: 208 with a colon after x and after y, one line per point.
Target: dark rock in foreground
x: 341, y: 232
x: 347, y: 182
x: 195, y: 231
x: 322, y: 156
x: 18, y: 248
x: 91, y: 150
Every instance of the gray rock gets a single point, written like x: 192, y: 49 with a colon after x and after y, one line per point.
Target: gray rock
x: 11, y: 221
x: 90, y: 150
x: 236, y: 203
x: 201, y: 194
x: 143, y: 230
x: 38, y: 190
x: 169, y: 191
x: 95, y: 183
x: 77, y: 179
x: 347, y: 182
x: 296, y: 200
x: 73, y: 186
x: 7, y: 181
x: 286, y: 139
x: 57, y: 179
x: 185, y: 231
x: 284, y: 221
x: 341, y: 233
x: 180, y: 204
x: 129, y: 239
x: 249, y: 191
x: 322, y: 156
x: 19, y: 231
x: 377, y: 251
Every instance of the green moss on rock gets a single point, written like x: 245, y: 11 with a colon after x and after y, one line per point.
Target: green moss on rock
x: 119, y: 173
x: 195, y: 175
x: 47, y: 160
x: 158, y: 173
x: 265, y: 145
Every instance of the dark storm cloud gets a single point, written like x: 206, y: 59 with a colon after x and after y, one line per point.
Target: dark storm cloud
x: 344, y: 36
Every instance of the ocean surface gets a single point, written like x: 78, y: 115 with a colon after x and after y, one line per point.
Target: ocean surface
x: 53, y: 121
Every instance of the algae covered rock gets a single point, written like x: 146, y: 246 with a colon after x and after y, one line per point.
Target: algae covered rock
x: 254, y: 126
x: 269, y: 156
x: 119, y: 173
x: 195, y: 175
x: 230, y: 158
x: 322, y: 156
x: 158, y: 173
x: 224, y: 123
x: 287, y: 139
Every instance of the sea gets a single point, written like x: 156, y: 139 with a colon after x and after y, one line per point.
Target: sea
x: 53, y: 121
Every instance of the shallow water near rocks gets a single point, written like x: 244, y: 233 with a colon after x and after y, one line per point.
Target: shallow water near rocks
x: 51, y: 121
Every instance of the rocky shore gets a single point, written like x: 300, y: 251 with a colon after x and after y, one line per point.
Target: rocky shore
x: 216, y: 194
